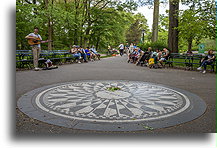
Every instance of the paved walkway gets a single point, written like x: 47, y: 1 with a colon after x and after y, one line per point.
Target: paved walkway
x: 116, y: 68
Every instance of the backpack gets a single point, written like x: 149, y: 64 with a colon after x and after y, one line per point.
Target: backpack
x: 151, y: 61
x: 48, y: 63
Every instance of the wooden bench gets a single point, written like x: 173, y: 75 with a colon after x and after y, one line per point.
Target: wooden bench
x: 24, y: 58
x: 189, y: 60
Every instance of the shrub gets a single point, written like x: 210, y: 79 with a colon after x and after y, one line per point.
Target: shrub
x: 155, y: 45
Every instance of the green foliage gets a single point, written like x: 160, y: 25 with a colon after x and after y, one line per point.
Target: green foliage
x: 198, y: 21
x: 149, y: 2
x: 209, y: 44
x: 163, y: 22
x: 134, y: 33
x: 83, y: 22
x: 155, y: 45
x: 109, y: 22
x: 113, y: 89
x: 163, y: 28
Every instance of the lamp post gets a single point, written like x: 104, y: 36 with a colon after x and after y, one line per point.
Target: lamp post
x: 143, y: 35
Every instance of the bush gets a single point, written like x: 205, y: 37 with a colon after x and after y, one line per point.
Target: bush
x: 155, y: 45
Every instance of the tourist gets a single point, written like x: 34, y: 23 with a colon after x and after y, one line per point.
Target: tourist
x: 89, y: 54
x: 127, y: 49
x: 208, y: 60
x: 131, y: 48
x: 134, y: 56
x: 140, y: 56
x: 121, y: 49
x: 35, y: 40
x: 75, y: 53
x: 189, y: 52
x: 164, y: 56
x: 83, y: 53
x: 109, y: 49
x: 155, y: 56
x: 95, y: 53
x: 147, y: 55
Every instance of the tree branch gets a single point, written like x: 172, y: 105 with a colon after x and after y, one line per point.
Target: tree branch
x: 28, y: 2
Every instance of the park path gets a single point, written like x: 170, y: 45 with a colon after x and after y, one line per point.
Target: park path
x: 117, y: 68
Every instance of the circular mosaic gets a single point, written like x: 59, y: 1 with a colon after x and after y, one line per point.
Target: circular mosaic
x: 93, y: 102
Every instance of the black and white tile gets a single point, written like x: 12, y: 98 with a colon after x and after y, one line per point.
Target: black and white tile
x: 92, y: 101
x: 92, y: 106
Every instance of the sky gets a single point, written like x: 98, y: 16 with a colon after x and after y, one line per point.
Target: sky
x: 148, y: 13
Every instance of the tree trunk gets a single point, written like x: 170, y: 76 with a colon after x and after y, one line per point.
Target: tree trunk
x: 155, y: 21
x: 50, y: 30
x: 76, y: 25
x: 49, y: 27
x: 87, y: 31
x: 173, y: 23
x: 97, y: 43
x: 190, y: 44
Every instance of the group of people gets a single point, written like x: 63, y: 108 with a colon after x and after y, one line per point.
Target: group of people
x: 150, y: 58
x: 155, y: 58
x: 127, y: 48
x: 84, y: 54
x: 78, y: 52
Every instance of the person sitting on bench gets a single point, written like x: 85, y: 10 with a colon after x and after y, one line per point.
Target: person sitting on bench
x: 155, y: 56
x: 89, y: 54
x: 134, y: 56
x: 83, y: 53
x: 145, y: 56
x: 164, y: 56
x: 208, y: 60
x: 95, y: 53
x: 75, y: 53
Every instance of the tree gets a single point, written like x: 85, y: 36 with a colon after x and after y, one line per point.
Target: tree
x: 190, y: 27
x: 138, y: 24
x: 173, y: 24
x: 49, y: 22
x: 67, y: 22
x: 197, y: 22
x: 155, y: 21
x: 156, y: 4
x: 163, y: 28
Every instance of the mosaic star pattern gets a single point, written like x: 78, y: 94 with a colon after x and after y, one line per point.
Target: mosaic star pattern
x: 92, y: 101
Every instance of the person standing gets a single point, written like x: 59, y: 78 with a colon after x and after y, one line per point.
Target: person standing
x: 134, y: 45
x: 127, y: 49
x: 109, y: 49
x: 36, y: 46
x: 121, y: 47
x: 131, y: 48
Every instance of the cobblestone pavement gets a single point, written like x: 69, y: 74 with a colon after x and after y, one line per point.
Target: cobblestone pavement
x: 116, y: 68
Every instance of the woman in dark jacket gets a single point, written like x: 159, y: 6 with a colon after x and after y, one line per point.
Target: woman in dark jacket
x: 208, y: 60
